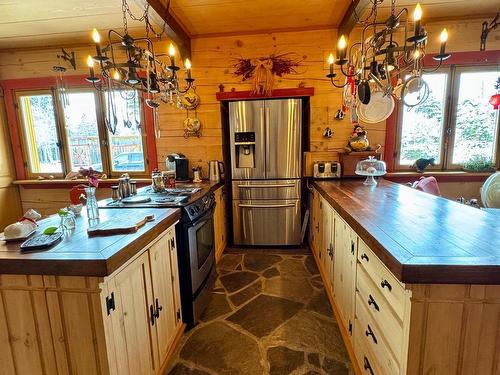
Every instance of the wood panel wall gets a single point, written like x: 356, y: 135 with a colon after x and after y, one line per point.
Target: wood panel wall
x: 10, y: 206
x: 213, y: 58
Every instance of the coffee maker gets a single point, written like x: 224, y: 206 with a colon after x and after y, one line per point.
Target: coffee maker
x: 180, y: 164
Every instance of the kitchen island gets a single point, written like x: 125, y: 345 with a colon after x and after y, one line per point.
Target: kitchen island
x: 414, y: 279
x: 93, y: 305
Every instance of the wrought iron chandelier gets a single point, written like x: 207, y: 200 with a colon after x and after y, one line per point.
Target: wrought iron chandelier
x: 382, y: 62
x: 131, y: 63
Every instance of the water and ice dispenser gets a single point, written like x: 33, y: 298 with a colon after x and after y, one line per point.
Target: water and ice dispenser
x: 244, y: 142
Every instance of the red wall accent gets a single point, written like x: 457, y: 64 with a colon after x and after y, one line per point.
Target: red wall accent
x: 278, y: 93
x: 10, y: 86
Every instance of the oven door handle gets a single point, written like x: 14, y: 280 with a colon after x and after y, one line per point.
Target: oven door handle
x: 266, y: 205
x: 264, y: 186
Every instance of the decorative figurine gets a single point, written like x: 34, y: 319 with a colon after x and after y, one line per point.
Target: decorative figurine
x: 421, y: 164
x: 358, y: 141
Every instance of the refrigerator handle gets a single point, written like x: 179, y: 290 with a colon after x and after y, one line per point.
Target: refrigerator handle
x: 268, y: 139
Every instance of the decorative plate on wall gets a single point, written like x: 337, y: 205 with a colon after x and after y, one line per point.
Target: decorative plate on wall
x: 190, y: 100
x: 192, y: 126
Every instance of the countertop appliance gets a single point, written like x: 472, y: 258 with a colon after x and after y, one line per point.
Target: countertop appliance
x: 180, y: 164
x: 195, y: 241
x: 265, y: 149
x: 215, y: 170
x: 326, y: 169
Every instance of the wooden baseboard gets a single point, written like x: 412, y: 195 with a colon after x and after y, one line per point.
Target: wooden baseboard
x: 343, y: 329
x: 171, y: 351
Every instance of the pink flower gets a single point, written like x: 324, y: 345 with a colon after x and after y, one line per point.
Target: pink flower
x: 91, y: 175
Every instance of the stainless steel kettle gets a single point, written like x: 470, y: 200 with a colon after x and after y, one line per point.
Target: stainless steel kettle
x: 215, y: 170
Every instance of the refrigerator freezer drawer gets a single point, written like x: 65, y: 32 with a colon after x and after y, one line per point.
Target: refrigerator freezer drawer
x: 266, y: 189
x: 266, y: 222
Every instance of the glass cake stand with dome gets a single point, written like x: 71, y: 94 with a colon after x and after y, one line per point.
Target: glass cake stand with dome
x: 370, y: 168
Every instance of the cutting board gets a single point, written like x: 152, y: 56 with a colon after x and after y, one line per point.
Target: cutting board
x: 111, y: 227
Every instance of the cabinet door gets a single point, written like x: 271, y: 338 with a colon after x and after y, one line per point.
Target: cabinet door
x: 175, y: 277
x: 327, y: 223
x: 338, y: 263
x: 164, y: 307
x: 134, y: 336
x: 219, y: 223
x: 350, y: 277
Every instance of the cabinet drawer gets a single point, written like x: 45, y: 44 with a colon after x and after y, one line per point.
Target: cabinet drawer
x: 390, y: 287
x: 366, y: 358
x: 380, y: 311
x: 367, y: 329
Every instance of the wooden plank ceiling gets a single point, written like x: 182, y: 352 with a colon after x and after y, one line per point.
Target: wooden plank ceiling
x: 26, y: 23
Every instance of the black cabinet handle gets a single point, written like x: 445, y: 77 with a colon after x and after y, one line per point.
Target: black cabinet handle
x: 371, y: 301
x: 153, y: 315
x: 352, y: 247
x: 368, y: 367
x: 158, y: 309
x: 369, y: 332
x: 365, y: 257
x: 385, y: 284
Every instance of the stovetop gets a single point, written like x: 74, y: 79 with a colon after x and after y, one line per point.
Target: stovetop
x: 147, y: 197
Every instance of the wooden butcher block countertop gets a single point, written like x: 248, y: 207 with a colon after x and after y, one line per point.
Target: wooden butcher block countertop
x: 80, y: 255
x: 421, y: 238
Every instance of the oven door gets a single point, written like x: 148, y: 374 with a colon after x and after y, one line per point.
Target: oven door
x: 201, y: 249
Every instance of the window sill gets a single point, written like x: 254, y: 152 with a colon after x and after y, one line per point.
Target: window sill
x: 64, y: 184
x: 441, y: 176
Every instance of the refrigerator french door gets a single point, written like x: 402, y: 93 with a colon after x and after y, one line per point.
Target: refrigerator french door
x: 265, y: 141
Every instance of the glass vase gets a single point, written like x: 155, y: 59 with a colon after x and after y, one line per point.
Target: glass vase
x: 92, y: 208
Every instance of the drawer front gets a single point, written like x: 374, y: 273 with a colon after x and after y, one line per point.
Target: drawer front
x: 368, y: 330
x: 390, y: 287
x: 380, y: 311
x: 366, y: 358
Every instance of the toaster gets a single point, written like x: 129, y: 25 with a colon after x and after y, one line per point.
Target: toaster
x: 326, y: 169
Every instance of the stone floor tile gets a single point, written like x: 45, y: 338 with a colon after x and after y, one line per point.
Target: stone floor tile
x: 295, y: 288
x: 221, y: 348
x: 283, y: 360
x: 237, y: 280
x: 271, y: 272
x: 264, y: 314
x: 311, y: 265
x: 334, y: 367
x: 317, y: 303
x: 217, y: 307
x: 229, y: 262
x: 260, y: 261
x: 246, y: 294
x: 293, y: 268
x: 180, y: 369
x: 313, y: 359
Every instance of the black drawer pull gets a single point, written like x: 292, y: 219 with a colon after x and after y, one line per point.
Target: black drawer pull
x: 385, y: 283
x: 352, y: 247
x: 365, y: 257
x: 371, y: 301
x: 153, y: 315
x: 369, y: 332
x: 158, y: 309
x: 368, y: 367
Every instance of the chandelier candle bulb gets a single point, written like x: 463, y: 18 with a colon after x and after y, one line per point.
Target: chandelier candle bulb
x: 330, y: 62
x: 443, y: 38
x: 97, y: 39
x: 187, y: 65
x: 90, y: 64
x: 171, y: 53
x: 341, y: 48
x: 417, y: 16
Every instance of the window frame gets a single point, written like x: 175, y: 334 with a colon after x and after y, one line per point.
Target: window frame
x: 22, y: 133
x: 46, y: 85
x: 449, y: 121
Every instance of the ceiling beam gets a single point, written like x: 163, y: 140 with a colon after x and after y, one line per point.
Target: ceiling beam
x: 173, y: 29
x: 349, y: 20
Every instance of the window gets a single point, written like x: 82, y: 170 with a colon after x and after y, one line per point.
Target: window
x: 42, y: 153
x: 63, y: 134
x: 455, y: 125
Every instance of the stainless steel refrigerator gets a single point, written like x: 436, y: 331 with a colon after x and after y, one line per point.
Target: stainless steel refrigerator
x: 265, y: 148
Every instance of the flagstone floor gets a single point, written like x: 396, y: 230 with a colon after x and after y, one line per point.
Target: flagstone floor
x: 269, y: 314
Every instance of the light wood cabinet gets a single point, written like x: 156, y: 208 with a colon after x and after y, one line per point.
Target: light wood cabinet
x: 391, y: 328
x: 220, y: 223
x: 125, y: 324
x: 345, y: 270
